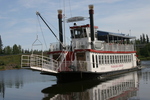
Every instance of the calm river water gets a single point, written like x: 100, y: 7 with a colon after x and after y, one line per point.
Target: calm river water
x: 25, y: 84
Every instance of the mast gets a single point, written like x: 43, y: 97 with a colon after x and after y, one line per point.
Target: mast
x: 60, y: 28
x: 91, y: 12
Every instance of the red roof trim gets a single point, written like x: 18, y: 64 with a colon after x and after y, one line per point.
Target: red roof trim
x: 91, y: 50
x: 98, y: 51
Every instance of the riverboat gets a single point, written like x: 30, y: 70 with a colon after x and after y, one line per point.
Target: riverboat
x: 92, y: 53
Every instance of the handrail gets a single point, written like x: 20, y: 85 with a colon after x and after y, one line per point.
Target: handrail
x: 98, y: 46
x: 39, y: 61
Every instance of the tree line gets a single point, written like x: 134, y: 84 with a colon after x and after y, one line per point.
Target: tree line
x: 144, y: 39
x: 143, y: 46
x: 15, y: 49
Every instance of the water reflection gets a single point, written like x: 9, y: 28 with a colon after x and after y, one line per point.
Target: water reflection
x: 17, y: 80
x: 28, y: 84
x: 118, y: 88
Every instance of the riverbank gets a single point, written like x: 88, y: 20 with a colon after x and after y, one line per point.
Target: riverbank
x: 144, y: 58
x: 8, y: 62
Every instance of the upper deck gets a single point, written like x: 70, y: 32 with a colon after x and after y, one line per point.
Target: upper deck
x: 104, y: 41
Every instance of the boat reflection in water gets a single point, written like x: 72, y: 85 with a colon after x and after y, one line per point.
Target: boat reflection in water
x: 120, y: 87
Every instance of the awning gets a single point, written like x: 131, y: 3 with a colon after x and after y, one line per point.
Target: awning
x: 102, y: 35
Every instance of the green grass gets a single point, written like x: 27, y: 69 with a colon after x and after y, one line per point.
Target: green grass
x: 10, y: 61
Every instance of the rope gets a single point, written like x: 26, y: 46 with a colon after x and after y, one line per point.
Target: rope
x: 70, y: 8
x: 42, y: 32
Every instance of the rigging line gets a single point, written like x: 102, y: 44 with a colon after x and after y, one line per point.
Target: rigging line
x: 70, y: 8
x: 59, y: 3
x: 37, y: 13
x: 52, y: 26
x: 64, y: 5
x: 42, y: 32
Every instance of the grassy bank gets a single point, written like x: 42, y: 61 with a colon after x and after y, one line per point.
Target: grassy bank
x: 144, y: 58
x: 10, y: 62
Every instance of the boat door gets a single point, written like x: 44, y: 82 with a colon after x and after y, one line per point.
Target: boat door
x: 81, y: 56
x: 81, y: 61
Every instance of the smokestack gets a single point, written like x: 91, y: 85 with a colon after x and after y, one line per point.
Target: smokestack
x: 91, y: 12
x: 60, y: 28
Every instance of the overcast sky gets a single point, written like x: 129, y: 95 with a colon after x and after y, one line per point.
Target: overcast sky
x: 20, y: 25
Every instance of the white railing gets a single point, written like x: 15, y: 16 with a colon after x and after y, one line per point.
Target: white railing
x: 98, y: 46
x: 39, y: 61
x: 48, y: 64
x: 117, y: 47
x: 106, y: 46
x: 25, y: 61
x: 56, y: 47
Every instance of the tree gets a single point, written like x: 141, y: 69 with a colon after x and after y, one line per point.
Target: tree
x: 141, y: 39
x: 147, y: 39
x: 145, y: 51
x: 19, y: 49
x: 137, y: 41
x: 1, y: 45
x: 7, y: 50
x: 144, y: 39
x: 15, y: 49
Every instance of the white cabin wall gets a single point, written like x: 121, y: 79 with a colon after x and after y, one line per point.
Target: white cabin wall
x: 105, y: 62
x: 81, y: 43
x: 134, y: 59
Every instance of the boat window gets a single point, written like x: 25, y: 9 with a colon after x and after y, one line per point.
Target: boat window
x: 78, y: 33
x: 96, y: 62
x: 129, y: 58
x: 108, y: 59
x: 84, y: 33
x: 99, y: 59
x: 102, y: 60
x: 125, y: 58
x: 93, y: 61
x: 72, y: 34
x: 122, y: 58
x: 115, y: 59
x: 105, y: 59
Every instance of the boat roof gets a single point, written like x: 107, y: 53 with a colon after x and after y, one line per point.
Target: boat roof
x: 80, y: 26
x: 115, y: 35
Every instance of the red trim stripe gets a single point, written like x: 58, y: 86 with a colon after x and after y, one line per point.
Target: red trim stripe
x: 91, y: 50
x: 98, y: 51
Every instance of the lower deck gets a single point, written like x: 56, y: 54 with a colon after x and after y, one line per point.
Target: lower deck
x: 68, y: 76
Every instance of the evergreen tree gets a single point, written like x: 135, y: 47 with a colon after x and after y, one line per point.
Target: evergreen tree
x: 1, y: 45
x: 19, y: 49
x: 15, y: 49
x: 147, y: 39
x: 137, y: 41
x: 144, y: 39
x: 145, y: 51
x: 141, y: 39
x: 7, y: 50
